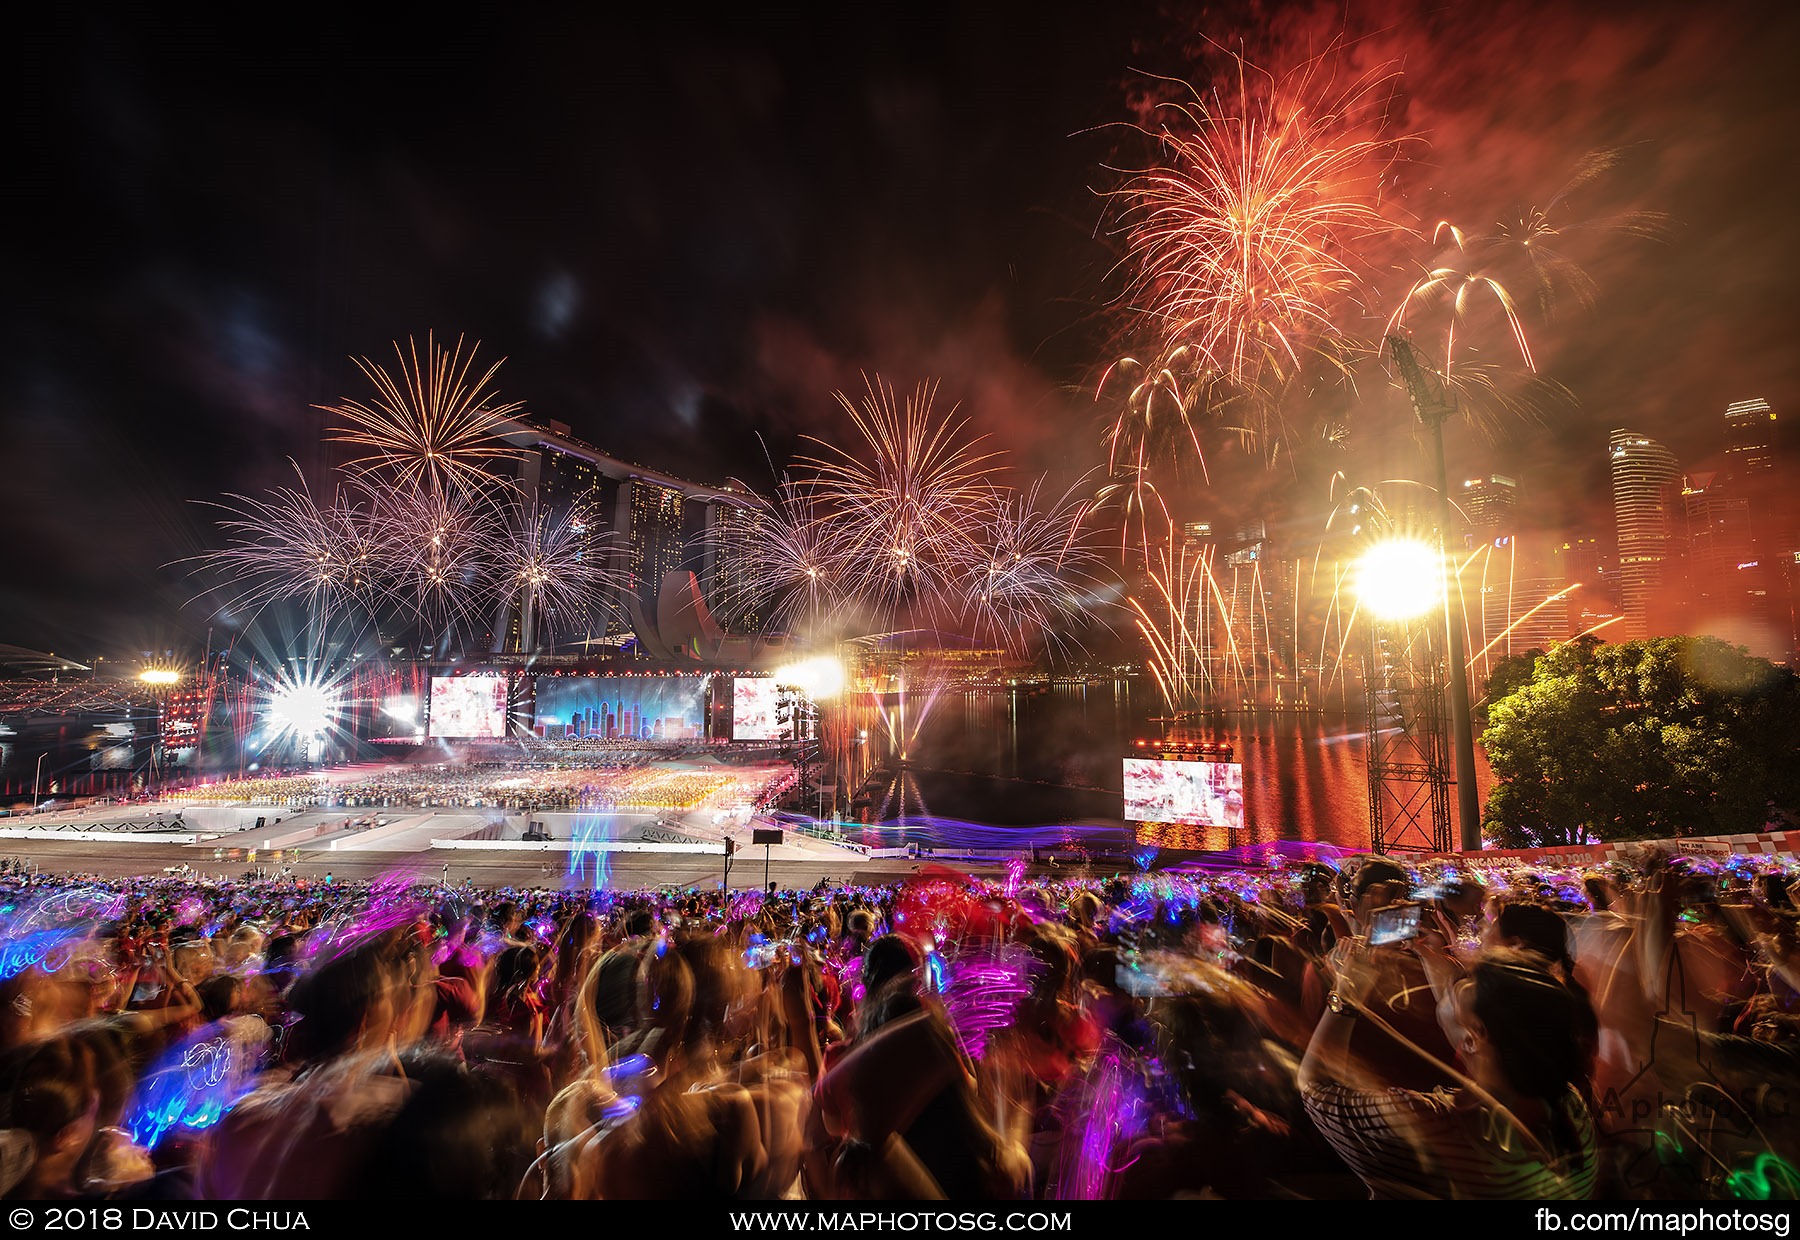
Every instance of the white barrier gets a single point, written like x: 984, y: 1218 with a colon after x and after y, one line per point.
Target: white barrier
x: 889, y: 852
x: 623, y: 846
x: 100, y: 837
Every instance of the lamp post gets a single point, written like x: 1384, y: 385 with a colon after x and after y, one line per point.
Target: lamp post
x: 36, y: 778
x: 1432, y: 405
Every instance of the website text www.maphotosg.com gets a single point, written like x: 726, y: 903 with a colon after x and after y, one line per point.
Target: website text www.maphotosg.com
x: 900, y: 1220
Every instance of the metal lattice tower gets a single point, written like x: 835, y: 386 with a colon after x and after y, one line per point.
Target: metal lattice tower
x: 1409, y: 747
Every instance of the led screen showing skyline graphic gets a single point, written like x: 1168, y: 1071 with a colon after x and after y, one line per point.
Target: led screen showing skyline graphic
x: 468, y: 707
x: 1201, y: 794
x: 649, y: 708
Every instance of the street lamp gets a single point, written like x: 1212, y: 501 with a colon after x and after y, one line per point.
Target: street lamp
x: 35, y: 779
x: 1400, y: 579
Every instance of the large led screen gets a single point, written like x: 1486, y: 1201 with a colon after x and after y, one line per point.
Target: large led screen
x: 468, y: 707
x: 399, y: 717
x: 1201, y: 794
x: 645, y: 708
x: 753, y: 709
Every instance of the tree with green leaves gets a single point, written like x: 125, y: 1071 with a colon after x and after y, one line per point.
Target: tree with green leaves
x: 1672, y: 736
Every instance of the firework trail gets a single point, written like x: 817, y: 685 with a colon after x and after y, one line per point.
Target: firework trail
x: 429, y: 426
x: 1140, y: 505
x: 900, y: 522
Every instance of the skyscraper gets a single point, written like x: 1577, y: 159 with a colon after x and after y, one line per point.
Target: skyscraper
x: 1646, y: 484
x: 1753, y: 533
x: 1582, y: 564
x: 729, y: 560
x: 1720, y: 547
x: 1490, y: 504
x: 1749, y: 438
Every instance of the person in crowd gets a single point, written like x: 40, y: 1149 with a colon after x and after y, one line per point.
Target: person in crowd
x: 1518, y: 1125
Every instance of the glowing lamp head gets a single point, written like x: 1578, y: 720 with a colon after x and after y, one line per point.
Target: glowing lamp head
x: 160, y: 676
x: 304, y: 709
x: 1400, y: 579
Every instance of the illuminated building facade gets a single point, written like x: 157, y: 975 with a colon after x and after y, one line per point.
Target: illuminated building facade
x: 1491, y: 504
x: 1647, y: 508
x: 1750, y: 427
x: 649, y: 523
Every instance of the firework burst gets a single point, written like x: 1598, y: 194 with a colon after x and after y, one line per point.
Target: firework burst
x: 430, y: 426
x: 1538, y: 237
x: 1243, y: 238
x: 1157, y: 401
x: 438, y: 549
x: 777, y: 566
x: 1460, y: 287
x: 288, y: 546
x: 1037, y: 571
x: 1455, y: 305
x: 558, y: 567
x: 900, y: 521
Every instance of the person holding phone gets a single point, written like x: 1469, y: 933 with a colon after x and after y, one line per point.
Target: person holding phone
x: 1403, y: 1035
x: 1516, y: 1125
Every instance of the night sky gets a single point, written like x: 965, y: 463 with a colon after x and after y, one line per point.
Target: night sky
x: 686, y: 234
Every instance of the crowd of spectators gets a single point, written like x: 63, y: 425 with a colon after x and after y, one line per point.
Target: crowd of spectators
x: 1303, y: 1032
x: 509, y: 786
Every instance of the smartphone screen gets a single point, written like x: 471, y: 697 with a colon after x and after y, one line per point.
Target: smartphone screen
x: 1394, y: 924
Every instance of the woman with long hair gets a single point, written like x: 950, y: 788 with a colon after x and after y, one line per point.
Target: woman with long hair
x: 1519, y: 1125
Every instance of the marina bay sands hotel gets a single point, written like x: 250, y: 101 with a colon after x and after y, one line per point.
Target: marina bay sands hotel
x: 683, y: 547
